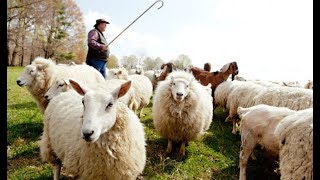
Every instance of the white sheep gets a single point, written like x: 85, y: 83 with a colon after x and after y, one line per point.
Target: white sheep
x: 137, y: 70
x: 308, y: 85
x: 141, y: 89
x: 295, y: 134
x: 182, y: 109
x: 281, y: 96
x: 39, y: 76
x: 99, y: 138
x: 153, y: 75
x: 242, y: 95
x: 258, y: 124
x: 222, y: 93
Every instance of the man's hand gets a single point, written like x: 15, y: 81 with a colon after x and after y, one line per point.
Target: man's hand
x: 104, y: 47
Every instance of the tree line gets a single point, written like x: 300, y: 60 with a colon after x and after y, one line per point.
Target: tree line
x: 55, y: 29
x: 51, y: 29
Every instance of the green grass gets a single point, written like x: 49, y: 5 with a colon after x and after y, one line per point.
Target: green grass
x: 213, y: 156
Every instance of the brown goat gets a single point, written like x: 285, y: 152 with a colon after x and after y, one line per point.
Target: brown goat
x: 165, y: 70
x: 230, y: 68
x: 215, y: 78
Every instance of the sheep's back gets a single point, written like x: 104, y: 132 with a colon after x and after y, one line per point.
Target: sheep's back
x: 295, y: 134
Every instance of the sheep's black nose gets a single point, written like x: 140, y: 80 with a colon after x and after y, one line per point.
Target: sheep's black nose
x: 87, y: 135
x: 179, y: 94
x: 18, y: 82
x: 46, y: 97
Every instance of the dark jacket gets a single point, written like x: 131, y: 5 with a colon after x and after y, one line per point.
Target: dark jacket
x: 95, y: 41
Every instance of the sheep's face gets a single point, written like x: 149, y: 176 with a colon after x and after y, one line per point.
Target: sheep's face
x: 99, y: 109
x: 117, y: 74
x: 58, y: 87
x: 111, y: 74
x: 27, y: 76
x: 179, y: 88
x: 99, y: 115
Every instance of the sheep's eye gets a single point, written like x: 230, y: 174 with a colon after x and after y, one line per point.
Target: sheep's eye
x: 109, y: 106
x: 187, y: 86
x: 82, y: 101
x: 60, y: 85
x: 174, y: 84
x: 31, y: 71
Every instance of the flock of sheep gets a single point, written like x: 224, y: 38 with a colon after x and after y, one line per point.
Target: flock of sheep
x: 92, y: 129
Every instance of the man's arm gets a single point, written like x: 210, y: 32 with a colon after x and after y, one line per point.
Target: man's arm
x: 93, y: 41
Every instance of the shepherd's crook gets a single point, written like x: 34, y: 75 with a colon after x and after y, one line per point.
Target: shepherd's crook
x: 136, y: 20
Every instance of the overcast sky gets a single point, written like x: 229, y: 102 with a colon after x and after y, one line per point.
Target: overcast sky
x: 269, y: 39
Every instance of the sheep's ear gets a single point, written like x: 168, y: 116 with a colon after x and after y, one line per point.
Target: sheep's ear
x: 122, y: 90
x: 77, y: 87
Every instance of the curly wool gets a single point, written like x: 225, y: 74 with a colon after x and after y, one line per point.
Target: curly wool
x: 49, y: 72
x: 118, y: 154
x: 186, y: 120
x: 295, y: 134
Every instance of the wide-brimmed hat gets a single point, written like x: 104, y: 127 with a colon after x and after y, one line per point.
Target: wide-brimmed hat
x: 98, y: 21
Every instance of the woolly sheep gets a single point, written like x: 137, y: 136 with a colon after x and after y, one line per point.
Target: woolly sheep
x: 258, y: 124
x: 182, y: 109
x: 222, y: 92
x: 137, y: 70
x: 291, y: 97
x: 99, y: 138
x: 117, y: 73
x: 39, y: 76
x: 308, y: 85
x: 152, y: 75
x: 141, y: 89
x: 295, y: 134
x: 242, y: 95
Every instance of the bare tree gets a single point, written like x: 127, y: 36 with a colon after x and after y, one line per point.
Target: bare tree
x: 182, y: 62
x: 53, y: 29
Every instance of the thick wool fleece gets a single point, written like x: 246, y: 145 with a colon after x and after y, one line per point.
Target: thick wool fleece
x: 186, y: 120
x: 296, y: 145
x: 119, y: 153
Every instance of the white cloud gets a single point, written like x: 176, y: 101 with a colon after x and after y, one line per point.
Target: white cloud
x: 269, y: 39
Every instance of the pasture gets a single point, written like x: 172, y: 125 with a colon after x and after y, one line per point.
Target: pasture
x: 214, y: 156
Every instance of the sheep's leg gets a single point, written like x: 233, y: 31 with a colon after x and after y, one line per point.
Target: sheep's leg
x: 140, y: 114
x: 56, y: 169
x: 234, y: 126
x: 182, y: 149
x: 247, y: 147
x: 169, y: 146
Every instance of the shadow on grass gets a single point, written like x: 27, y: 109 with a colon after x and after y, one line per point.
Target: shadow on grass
x: 158, y: 160
x: 29, y: 131
x: 26, y: 105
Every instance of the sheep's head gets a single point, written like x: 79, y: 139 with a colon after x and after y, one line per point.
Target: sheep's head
x: 99, y: 114
x: 58, y: 87
x: 27, y: 76
x: 120, y: 73
x: 180, y: 88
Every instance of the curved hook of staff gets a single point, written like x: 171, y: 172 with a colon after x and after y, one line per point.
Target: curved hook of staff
x: 158, y: 1
x: 137, y: 19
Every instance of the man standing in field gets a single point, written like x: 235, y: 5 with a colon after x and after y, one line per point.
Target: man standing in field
x: 98, y: 50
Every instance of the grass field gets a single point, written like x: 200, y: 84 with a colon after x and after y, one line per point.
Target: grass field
x: 214, y: 156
